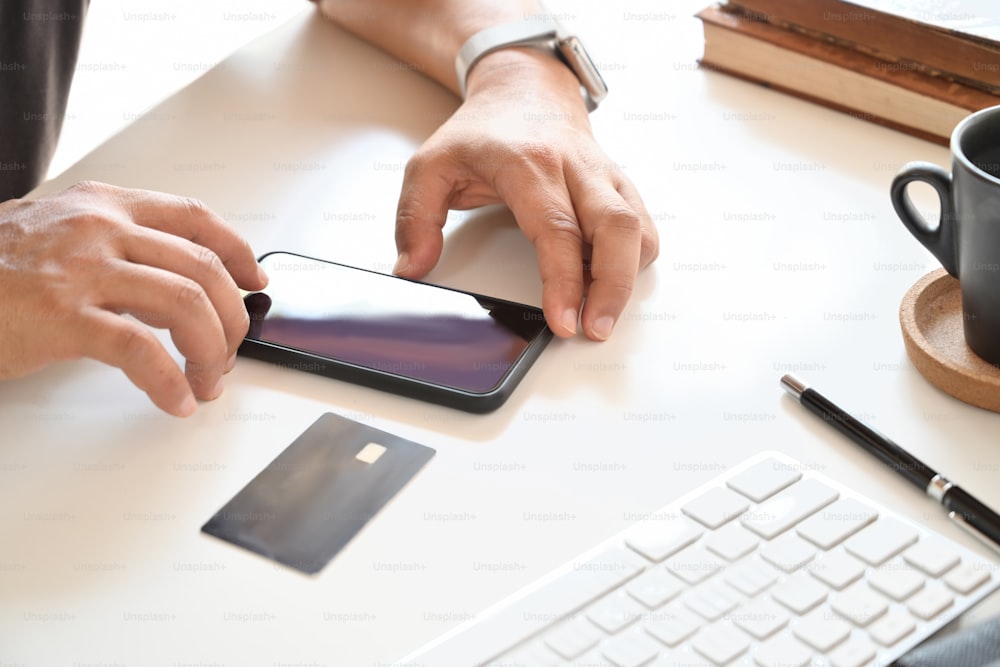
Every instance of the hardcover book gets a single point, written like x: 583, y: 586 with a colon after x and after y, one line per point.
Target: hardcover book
x: 957, y: 39
x: 837, y: 76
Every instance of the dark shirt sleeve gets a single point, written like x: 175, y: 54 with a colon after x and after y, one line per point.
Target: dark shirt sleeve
x: 39, y: 41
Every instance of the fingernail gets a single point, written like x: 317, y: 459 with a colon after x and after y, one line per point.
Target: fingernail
x: 568, y: 320
x: 402, y: 263
x: 217, y: 389
x: 603, y: 327
x: 187, y: 406
x: 262, y: 275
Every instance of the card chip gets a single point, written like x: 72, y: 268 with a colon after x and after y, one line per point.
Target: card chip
x: 370, y: 453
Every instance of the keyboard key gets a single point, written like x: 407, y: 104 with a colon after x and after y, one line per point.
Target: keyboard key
x: 855, y: 652
x: 800, y: 593
x: 837, y: 570
x: 657, y: 540
x: 721, y: 643
x: 891, y: 628
x: 673, y: 625
x: 534, y: 655
x: 732, y: 542
x: 760, y: 618
x: 612, y: 567
x: 821, y: 631
x: 716, y: 507
x: 836, y: 522
x: 967, y: 578
x: 712, y: 602
x: 764, y: 479
x: 613, y: 613
x: 573, y: 638
x: 694, y: 565
x: 881, y: 541
x: 788, y: 507
x: 655, y: 588
x: 783, y: 651
x: 751, y: 577
x: 931, y: 557
x: 679, y: 659
x: 896, y: 580
x: 630, y: 649
x: 930, y: 602
x: 789, y: 552
x: 860, y: 605
x: 593, y: 659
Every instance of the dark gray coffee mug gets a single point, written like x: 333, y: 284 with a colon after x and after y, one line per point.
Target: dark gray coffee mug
x: 966, y: 238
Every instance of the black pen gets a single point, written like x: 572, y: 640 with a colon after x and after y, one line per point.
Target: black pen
x: 962, y: 507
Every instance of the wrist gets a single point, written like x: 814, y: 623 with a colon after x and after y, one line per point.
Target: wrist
x: 529, y: 74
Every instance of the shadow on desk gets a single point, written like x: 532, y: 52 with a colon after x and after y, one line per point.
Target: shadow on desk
x: 839, y: 145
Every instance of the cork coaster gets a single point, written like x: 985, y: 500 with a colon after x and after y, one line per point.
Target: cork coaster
x: 931, y: 318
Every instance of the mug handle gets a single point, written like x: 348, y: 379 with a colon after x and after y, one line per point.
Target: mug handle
x: 939, y: 238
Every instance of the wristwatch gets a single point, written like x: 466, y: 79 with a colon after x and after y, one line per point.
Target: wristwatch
x: 540, y: 32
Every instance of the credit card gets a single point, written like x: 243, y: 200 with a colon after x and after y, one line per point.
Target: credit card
x: 311, y: 500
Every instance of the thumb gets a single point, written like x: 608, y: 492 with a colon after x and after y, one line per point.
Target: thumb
x: 420, y: 217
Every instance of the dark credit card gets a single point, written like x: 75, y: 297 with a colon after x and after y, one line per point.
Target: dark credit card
x: 310, y: 501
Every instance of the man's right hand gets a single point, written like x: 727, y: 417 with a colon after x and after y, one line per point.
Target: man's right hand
x: 72, y: 264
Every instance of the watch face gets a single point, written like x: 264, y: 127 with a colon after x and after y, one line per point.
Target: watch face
x: 579, y: 61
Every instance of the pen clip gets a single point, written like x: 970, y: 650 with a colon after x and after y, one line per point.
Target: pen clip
x: 972, y: 530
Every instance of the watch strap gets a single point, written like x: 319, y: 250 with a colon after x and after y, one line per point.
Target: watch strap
x: 542, y: 32
x: 519, y: 33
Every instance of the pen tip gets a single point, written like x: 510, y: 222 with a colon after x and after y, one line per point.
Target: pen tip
x: 793, y: 385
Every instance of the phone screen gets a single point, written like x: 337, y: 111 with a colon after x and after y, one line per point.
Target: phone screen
x: 389, y: 324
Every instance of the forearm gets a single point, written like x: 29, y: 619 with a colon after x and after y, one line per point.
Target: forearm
x: 425, y: 33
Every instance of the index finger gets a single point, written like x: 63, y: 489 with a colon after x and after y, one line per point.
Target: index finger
x: 191, y: 219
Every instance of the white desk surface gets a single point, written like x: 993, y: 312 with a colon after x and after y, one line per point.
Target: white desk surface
x: 780, y: 253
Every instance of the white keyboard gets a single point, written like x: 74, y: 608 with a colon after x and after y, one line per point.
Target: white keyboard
x: 769, y: 565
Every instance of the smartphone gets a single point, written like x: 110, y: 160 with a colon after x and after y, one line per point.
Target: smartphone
x: 446, y: 346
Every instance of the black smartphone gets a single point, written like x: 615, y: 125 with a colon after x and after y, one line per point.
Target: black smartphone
x: 437, y: 344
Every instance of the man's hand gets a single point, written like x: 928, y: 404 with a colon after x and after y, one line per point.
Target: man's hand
x: 73, y: 263
x: 522, y: 138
